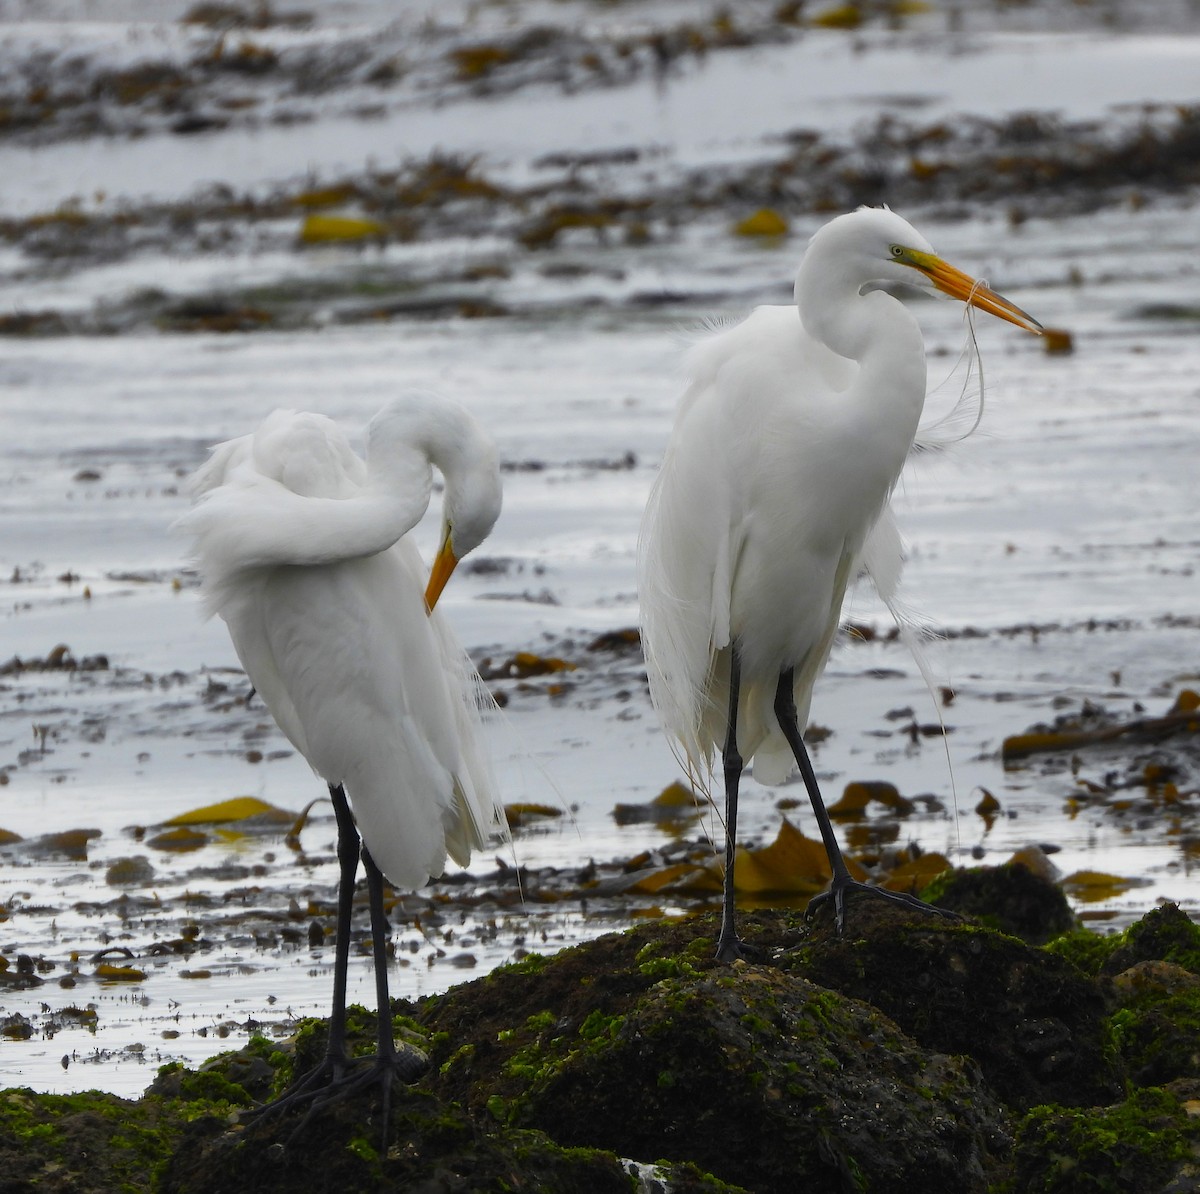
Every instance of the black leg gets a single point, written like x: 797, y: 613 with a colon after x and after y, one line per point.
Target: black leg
x: 333, y: 1068
x: 728, y: 946
x: 785, y: 714
x: 347, y: 851
x: 391, y: 1064
x: 379, y: 933
x: 338, y: 1077
x: 841, y: 884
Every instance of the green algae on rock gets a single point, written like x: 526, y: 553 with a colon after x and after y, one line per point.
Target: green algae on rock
x: 709, y: 1066
x: 87, y: 1143
x: 1165, y: 934
x: 641, y: 1044
x: 1009, y: 898
x: 1036, y: 1026
x: 438, y: 1147
x: 1145, y: 1145
x: 1157, y: 1025
x: 909, y: 1054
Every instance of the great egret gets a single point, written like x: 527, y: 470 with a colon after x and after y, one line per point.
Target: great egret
x: 773, y: 494
x: 304, y: 551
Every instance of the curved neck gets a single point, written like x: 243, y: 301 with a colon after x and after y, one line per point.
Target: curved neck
x: 855, y: 325
x: 281, y: 528
x: 292, y: 530
x: 265, y: 524
x: 416, y: 434
x: 874, y: 329
x: 392, y: 501
x: 885, y: 398
x: 401, y: 455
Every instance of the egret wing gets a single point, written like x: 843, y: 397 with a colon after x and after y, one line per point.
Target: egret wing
x: 354, y: 651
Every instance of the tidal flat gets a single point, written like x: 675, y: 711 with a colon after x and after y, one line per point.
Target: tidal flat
x: 236, y: 214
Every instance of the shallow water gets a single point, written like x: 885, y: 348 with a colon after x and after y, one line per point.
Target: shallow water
x: 1070, y: 514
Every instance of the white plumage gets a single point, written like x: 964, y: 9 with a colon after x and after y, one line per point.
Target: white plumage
x: 774, y: 491
x: 303, y: 551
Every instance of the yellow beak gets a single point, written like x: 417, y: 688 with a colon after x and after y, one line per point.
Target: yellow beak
x: 439, y: 574
x: 963, y: 287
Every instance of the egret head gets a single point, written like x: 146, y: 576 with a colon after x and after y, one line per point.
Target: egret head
x: 468, y: 515
x: 471, y: 466
x: 420, y: 430
x: 880, y: 246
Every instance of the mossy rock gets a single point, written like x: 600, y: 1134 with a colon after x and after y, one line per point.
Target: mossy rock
x: 1009, y: 898
x: 772, y: 1081
x: 1147, y: 1144
x: 437, y: 1148
x: 240, y: 1078
x: 907, y: 1054
x: 85, y: 1143
x: 1088, y: 952
x: 1157, y: 1026
x: 1165, y: 934
x: 1037, y: 1027
x: 643, y: 1046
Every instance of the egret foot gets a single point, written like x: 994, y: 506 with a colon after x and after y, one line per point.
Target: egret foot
x: 731, y: 948
x: 328, y: 1074
x: 838, y: 891
x: 335, y: 1080
x: 403, y: 1066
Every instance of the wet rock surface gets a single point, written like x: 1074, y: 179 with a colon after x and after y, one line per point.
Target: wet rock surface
x: 1010, y: 898
x: 825, y: 1063
x: 1034, y: 1024
x: 754, y: 1053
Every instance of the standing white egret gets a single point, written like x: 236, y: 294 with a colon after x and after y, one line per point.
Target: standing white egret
x: 773, y: 493
x: 303, y: 549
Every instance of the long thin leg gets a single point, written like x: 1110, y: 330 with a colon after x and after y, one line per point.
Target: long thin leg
x: 729, y: 947
x: 406, y: 1062
x: 785, y: 714
x: 348, y: 848
x: 841, y: 884
x: 379, y: 932
x: 332, y: 1069
x: 337, y: 1077
x: 391, y: 1064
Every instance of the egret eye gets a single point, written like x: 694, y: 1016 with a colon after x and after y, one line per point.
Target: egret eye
x: 897, y: 250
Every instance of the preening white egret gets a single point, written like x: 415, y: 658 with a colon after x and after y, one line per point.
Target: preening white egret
x: 303, y: 549
x: 773, y: 494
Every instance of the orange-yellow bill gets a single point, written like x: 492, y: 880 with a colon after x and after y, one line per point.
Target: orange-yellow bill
x: 439, y: 574
x: 963, y: 287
